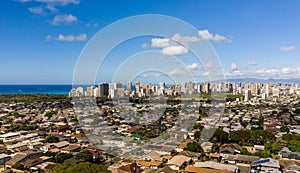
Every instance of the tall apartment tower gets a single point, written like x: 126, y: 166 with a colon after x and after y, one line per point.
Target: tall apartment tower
x: 137, y: 87
x: 247, y: 95
x: 161, y: 85
x: 129, y: 86
x: 103, y: 89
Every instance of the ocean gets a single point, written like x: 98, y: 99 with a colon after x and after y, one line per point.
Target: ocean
x: 35, y: 89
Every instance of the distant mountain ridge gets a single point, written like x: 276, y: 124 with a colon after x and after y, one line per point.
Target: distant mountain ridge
x: 271, y: 80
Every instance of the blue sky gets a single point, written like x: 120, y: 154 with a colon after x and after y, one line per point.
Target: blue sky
x: 41, y: 40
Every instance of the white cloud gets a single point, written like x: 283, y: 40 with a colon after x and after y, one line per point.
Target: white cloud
x: 174, y: 50
x: 267, y: 72
x: 37, y: 10
x: 185, y: 39
x: 64, y: 19
x: 151, y: 75
x: 61, y: 37
x: 285, y: 72
x: 52, y: 8
x: 54, y: 2
x: 92, y: 24
x: 23, y: 1
x: 193, y: 66
x: 235, y: 73
x: 287, y: 48
x: 208, y: 65
x: 48, y: 38
x: 177, y: 71
x: 145, y: 45
x: 234, y: 67
x: 160, y: 42
x: 252, y: 63
x: 205, y: 35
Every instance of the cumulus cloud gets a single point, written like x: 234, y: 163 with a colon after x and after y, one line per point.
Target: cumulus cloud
x: 252, y: 63
x: 92, y: 24
x: 287, y: 48
x: 174, y: 50
x: 145, y: 45
x: 64, y: 19
x: 61, y: 37
x: 184, y: 39
x: 49, y: 5
x: 234, y: 67
x: 37, y: 10
x: 176, y: 45
x: 177, y: 71
x: 149, y: 75
x: 160, y: 42
x: 193, y: 66
x: 235, y: 73
x: 54, y: 2
x: 285, y: 72
x: 205, y: 35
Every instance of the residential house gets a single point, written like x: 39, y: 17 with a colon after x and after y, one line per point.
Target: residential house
x: 193, y: 169
x: 190, y: 154
x: 178, y: 161
x: 4, y: 158
x: 165, y: 169
x: 229, y: 148
x: 70, y: 148
x: 124, y: 167
x: 234, y: 159
x: 148, y: 164
x: 265, y: 165
x: 206, y: 146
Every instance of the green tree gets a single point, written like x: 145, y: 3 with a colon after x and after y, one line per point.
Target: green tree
x: 288, y: 137
x: 215, y: 148
x: 284, y: 129
x: 84, y: 156
x: 261, y: 136
x: 60, y: 158
x: 240, y: 135
x: 220, y: 135
x: 294, y: 145
x: 197, y: 135
x: 80, y: 167
x: 263, y: 154
x: 18, y: 165
x: 244, y: 151
x: 52, y: 139
x: 273, y: 147
x: 194, y: 146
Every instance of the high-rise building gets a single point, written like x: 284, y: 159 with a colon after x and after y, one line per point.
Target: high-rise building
x: 137, y: 87
x: 90, y: 91
x: 206, y: 88
x: 129, y: 86
x: 161, y: 85
x: 103, y: 89
x: 247, y: 95
x: 79, y: 91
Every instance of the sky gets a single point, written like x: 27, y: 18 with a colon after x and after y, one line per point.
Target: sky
x: 41, y: 40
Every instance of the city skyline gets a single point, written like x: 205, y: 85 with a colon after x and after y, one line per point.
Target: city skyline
x: 43, y: 39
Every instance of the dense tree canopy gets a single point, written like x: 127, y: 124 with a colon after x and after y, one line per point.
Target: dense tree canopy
x: 194, y: 146
x: 256, y: 136
x: 221, y: 136
x: 284, y: 129
x: 294, y: 145
x: 273, y: 147
x: 80, y: 167
x: 52, y: 139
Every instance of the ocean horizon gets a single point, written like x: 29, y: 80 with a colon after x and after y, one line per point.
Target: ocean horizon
x: 35, y: 88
